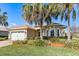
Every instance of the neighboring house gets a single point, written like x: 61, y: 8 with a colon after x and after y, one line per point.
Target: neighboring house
x: 24, y: 32
x: 3, y: 31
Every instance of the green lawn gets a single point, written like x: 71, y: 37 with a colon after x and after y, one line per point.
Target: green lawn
x: 40, y: 51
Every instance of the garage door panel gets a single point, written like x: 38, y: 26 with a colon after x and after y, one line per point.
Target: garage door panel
x: 18, y: 36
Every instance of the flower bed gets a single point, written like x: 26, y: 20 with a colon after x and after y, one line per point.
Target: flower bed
x: 57, y: 44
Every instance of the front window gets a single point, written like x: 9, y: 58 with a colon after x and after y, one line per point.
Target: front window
x: 52, y: 32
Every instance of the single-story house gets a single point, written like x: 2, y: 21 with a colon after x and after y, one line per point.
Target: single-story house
x: 24, y: 32
x: 3, y: 31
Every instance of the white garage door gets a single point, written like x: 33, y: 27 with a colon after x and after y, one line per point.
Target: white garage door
x: 18, y: 36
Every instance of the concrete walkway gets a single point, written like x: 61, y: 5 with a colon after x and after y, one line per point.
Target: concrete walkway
x: 5, y: 43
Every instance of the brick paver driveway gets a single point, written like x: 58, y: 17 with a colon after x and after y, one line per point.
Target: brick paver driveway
x: 5, y: 43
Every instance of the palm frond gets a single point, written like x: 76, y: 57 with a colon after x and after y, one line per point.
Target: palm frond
x: 74, y: 15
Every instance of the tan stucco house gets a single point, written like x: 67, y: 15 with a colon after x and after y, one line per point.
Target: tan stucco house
x: 25, y: 32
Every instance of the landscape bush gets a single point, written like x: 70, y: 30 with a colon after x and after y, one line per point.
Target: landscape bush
x: 19, y: 42
x: 47, y: 38
x: 40, y: 43
x: 3, y: 38
x: 30, y: 42
x: 57, y: 39
x: 74, y: 44
x: 54, y: 39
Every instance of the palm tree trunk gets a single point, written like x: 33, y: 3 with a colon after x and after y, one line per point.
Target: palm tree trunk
x: 47, y: 32
x: 41, y: 35
x: 68, y: 34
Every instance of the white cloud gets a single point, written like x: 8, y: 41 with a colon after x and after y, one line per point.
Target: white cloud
x: 13, y: 24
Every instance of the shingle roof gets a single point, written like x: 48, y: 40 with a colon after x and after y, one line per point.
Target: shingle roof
x: 3, y: 28
x: 55, y: 24
x: 20, y: 27
x: 58, y: 24
x: 36, y: 27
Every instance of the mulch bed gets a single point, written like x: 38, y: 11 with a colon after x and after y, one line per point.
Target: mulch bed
x: 57, y: 44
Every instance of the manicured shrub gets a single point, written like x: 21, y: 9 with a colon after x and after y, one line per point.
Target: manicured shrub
x: 30, y: 38
x: 74, y: 44
x: 37, y: 42
x: 65, y: 37
x: 20, y: 42
x: 62, y: 41
x: 30, y: 42
x: 57, y: 39
x: 3, y: 38
x: 40, y: 43
x: 54, y: 39
x: 68, y: 44
x: 47, y: 38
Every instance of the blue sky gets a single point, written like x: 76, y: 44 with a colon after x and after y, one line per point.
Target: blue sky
x: 14, y: 11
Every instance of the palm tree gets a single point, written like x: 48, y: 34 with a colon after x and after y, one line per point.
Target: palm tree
x: 74, y: 18
x: 38, y: 13
x: 67, y: 9
x: 48, y: 21
x: 3, y: 19
x: 54, y: 12
x: 33, y: 13
x: 0, y: 18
